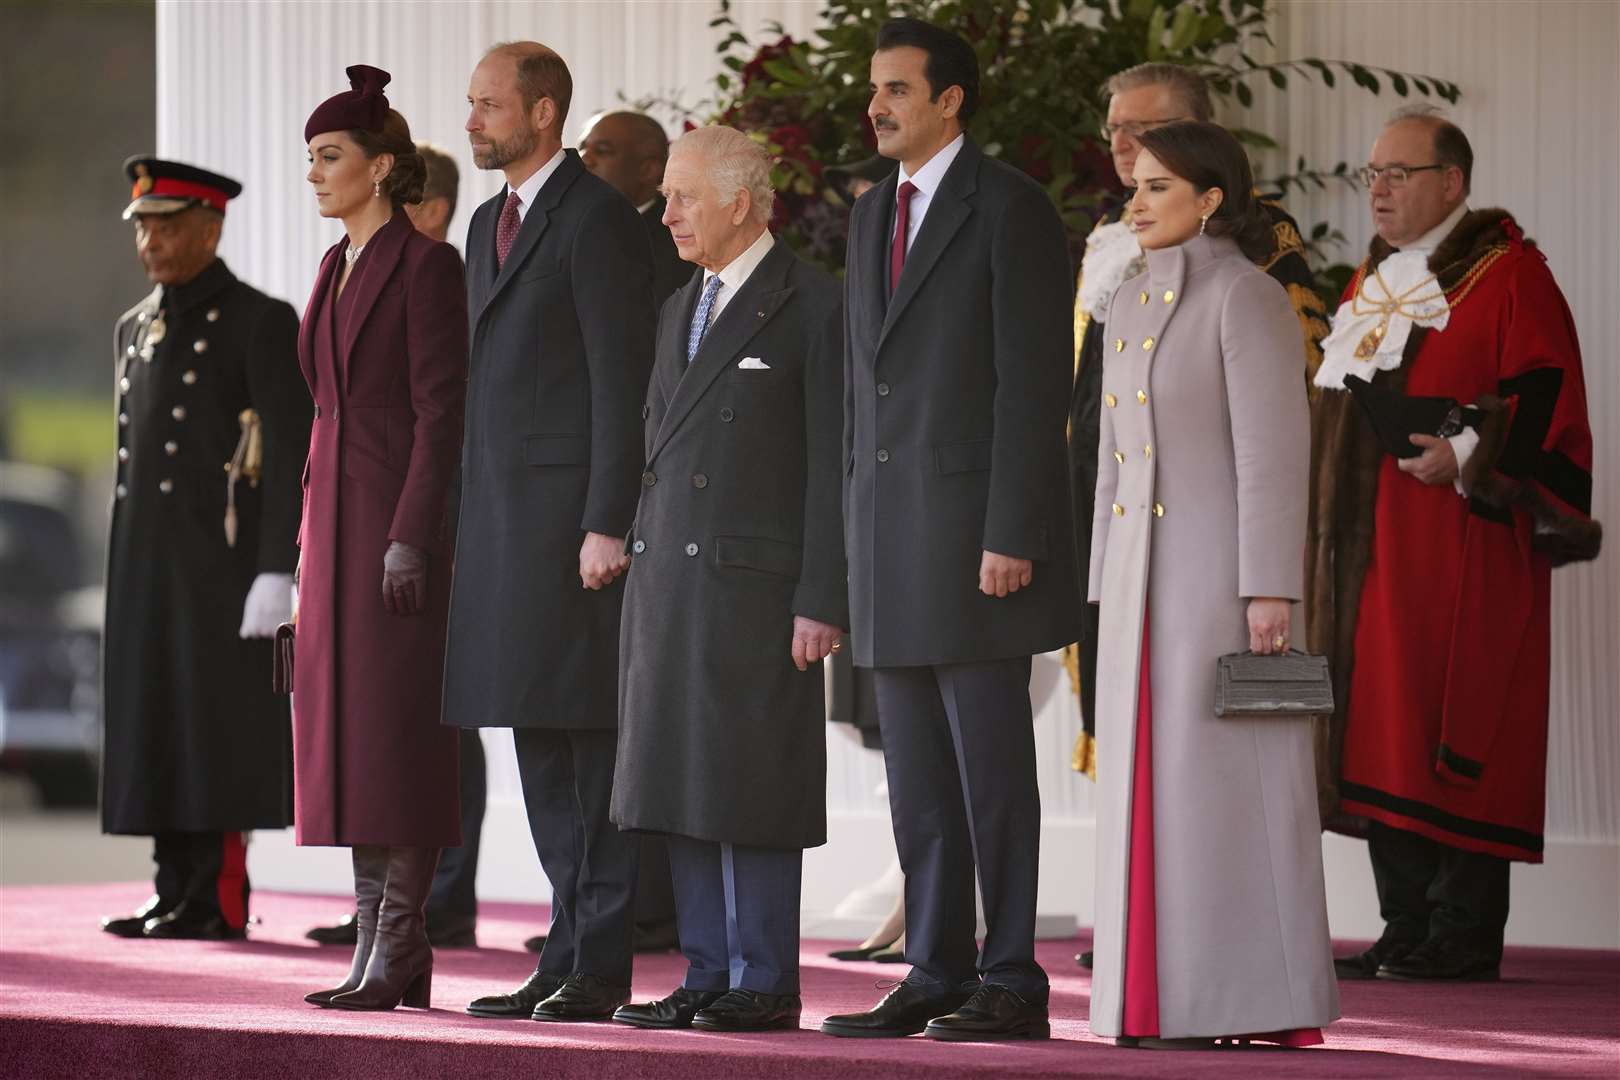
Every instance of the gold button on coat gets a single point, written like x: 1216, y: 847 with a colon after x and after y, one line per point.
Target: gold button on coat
x: 1147, y: 344
x: 1119, y: 344
x: 1141, y: 397
x: 1142, y: 299
x: 1119, y: 457
x: 1110, y: 400
x: 1119, y: 511
x: 1147, y: 451
x: 1169, y: 295
x: 1158, y: 509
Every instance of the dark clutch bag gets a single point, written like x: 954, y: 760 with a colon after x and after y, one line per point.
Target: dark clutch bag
x: 1395, y: 418
x: 1249, y: 686
x: 281, y: 679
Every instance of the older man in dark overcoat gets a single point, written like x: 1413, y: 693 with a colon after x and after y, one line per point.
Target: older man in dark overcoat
x: 736, y: 592
x: 196, y: 748
x: 560, y: 305
x: 960, y: 537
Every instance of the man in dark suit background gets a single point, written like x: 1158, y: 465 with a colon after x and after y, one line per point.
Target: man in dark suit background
x: 560, y: 305
x: 737, y: 592
x: 961, y: 546
x: 628, y: 150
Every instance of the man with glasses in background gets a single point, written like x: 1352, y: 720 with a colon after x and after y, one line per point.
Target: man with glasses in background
x: 1140, y: 99
x: 1429, y: 568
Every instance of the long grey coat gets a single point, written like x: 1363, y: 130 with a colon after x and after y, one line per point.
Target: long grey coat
x: 738, y: 531
x: 1201, y: 502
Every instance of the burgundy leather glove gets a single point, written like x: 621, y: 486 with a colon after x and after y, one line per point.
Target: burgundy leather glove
x: 404, y: 585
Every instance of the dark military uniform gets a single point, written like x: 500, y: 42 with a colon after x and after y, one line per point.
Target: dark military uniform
x: 1286, y: 263
x: 196, y: 748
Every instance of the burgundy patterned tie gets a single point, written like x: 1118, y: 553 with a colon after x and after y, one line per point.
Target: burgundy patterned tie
x: 902, y: 225
x: 506, y: 229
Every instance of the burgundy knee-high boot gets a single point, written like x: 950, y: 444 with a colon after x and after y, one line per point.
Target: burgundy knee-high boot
x: 400, y: 967
x: 370, y: 874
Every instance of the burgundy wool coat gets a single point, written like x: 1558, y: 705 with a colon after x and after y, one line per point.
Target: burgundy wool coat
x: 371, y: 762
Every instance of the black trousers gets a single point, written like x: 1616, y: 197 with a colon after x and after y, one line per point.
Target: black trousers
x: 207, y: 871
x: 1429, y: 890
x: 567, y: 785
x: 959, y: 748
x: 454, y: 883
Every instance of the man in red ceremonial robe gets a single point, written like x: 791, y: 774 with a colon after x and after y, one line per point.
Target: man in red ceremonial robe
x: 1430, y: 574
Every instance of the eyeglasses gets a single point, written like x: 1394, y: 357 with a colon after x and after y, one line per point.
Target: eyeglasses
x: 1394, y: 175
x: 1134, y: 128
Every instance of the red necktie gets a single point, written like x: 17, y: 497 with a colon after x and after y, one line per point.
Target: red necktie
x: 506, y: 229
x: 902, y: 225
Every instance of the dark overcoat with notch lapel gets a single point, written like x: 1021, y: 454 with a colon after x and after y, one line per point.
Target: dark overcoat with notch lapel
x: 721, y: 737
x: 955, y: 399
x: 372, y: 763
x: 193, y: 739
x: 562, y: 343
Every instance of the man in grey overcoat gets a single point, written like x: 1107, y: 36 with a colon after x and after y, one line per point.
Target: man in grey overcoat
x: 957, y: 367
x: 737, y: 590
x: 559, y: 298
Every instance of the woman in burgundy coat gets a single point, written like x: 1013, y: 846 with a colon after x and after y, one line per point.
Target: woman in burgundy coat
x: 384, y: 348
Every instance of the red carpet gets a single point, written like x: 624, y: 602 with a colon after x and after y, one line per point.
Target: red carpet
x: 77, y: 1003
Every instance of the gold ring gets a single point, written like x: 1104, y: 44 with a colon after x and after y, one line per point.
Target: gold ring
x: 1278, y: 642
x: 837, y: 645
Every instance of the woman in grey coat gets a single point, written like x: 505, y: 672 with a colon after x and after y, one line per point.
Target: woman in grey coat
x: 1211, y: 915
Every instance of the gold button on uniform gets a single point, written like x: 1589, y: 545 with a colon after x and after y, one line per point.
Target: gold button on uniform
x: 172, y: 448
x: 1110, y: 400
x: 1158, y: 509
x: 213, y: 314
x: 178, y: 412
x: 1119, y: 511
x: 1141, y: 397
x: 189, y: 378
x: 1119, y: 344
x: 199, y: 346
x: 1169, y: 295
x: 1119, y: 457
x: 1143, y: 298
x: 166, y: 486
x: 1147, y: 344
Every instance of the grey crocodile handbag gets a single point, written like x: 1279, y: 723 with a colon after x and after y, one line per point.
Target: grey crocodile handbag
x: 1250, y: 686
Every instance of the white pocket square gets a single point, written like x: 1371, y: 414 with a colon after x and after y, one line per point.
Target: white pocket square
x: 753, y: 363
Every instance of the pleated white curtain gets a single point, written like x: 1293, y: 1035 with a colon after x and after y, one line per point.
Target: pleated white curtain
x: 236, y: 81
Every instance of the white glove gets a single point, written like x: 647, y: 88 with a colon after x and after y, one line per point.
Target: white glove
x: 269, y: 604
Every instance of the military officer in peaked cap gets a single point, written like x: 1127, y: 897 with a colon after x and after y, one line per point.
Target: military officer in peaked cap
x: 213, y: 423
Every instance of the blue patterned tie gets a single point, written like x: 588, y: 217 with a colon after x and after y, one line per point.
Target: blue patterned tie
x: 700, y: 317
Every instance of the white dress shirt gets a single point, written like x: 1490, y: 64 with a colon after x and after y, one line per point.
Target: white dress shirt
x: 927, y: 182
x: 737, y: 271
x: 529, y: 190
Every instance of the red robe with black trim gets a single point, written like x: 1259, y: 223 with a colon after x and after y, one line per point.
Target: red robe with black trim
x: 1446, y: 732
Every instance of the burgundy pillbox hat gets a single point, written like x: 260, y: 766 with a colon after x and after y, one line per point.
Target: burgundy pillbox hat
x: 362, y: 108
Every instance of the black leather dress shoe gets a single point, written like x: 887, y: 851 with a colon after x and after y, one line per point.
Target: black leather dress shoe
x: 583, y: 997
x: 1365, y: 965
x: 749, y: 1010
x: 675, y: 1011
x: 448, y: 931
x: 133, y: 925
x: 905, y: 1011
x: 534, y: 944
x: 991, y: 1015
x: 188, y: 922
x: 1443, y: 960
x: 343, y: 932
x: 1085, y: 959
x: 520, y: 1003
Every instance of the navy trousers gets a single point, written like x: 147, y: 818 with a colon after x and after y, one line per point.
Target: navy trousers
x: 453, y: 883
x: 567, y: 783
x: 959, y: 748
x: 737, y: 913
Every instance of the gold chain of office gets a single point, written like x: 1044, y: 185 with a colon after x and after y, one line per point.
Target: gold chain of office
x: 1399, y: 305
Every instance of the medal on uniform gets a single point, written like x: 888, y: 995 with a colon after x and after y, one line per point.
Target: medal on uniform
x: 154, y: 336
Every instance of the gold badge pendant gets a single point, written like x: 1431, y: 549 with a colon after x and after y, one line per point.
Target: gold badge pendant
x: 1369, y: 343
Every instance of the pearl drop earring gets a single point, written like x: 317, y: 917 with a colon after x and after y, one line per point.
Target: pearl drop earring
x: 376, y: 188
x: 1203, y: 223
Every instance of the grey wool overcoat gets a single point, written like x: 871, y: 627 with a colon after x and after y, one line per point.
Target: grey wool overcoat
x: 721, y: 737
x: 1201, y: 503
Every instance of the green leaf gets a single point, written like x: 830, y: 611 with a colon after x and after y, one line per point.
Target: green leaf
x: 786, y: 73
x: 1278, y: 79
x: 1245, y: 96
x: 1140, y: 9
x: 1155, y: 34
x: 1398, y: 83
x: 1183, y: 28
x: 1422, y: 87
